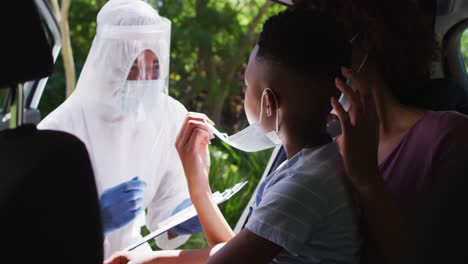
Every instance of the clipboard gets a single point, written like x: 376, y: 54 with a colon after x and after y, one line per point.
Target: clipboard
x: 185, y: 215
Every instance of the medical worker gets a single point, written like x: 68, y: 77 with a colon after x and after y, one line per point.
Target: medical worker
x: 122, y: 112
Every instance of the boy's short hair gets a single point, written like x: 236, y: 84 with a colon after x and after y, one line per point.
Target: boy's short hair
x: 306, y: 42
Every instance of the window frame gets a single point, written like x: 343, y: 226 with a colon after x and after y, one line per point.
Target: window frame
x: 454, y: 63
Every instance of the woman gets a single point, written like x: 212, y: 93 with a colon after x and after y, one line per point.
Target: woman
x: 395, y: 149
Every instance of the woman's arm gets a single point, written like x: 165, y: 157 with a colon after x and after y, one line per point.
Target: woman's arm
x: 244, y: 248
x: 192, y: 146
x: 387, y: 225
x: 193, y: 256
x: 215, y: 226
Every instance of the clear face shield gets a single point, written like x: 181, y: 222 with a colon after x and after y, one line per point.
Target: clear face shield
x: 144, y: 103
x: 144, y: 87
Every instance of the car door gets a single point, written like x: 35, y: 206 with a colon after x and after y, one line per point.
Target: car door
x: 33, y: 90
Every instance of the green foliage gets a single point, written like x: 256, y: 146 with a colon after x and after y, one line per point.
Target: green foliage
x: 211, y: 41
x: 82, y: 22
x: 464, y: 48
x: 230, y: 166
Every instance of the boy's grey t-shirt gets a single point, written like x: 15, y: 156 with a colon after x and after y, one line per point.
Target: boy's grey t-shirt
x: 307, y: 208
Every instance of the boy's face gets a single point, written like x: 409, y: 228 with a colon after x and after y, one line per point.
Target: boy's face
x: 253, y: 90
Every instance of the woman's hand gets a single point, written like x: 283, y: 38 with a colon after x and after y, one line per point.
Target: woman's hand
x: 359, y: 144
x: 192, y: 146
x: 360, y: 133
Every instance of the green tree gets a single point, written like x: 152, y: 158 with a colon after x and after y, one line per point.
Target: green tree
x: 464, y: 48
x: 210, y: 46
x: 61, y: 14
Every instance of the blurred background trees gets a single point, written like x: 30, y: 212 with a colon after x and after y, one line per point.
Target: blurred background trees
x: 464, y: 48
x: 211, y: 41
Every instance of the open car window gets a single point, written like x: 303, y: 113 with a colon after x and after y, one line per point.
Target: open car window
x: 464, y: 48
x: 33, y: 89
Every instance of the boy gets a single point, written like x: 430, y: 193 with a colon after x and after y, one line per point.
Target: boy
x: 304, y: 211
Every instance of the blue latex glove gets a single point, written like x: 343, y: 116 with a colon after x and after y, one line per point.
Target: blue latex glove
x: 189, y: 227
x: 121, y: 204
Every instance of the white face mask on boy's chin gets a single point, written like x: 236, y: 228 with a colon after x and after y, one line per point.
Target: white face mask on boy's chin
x: 253, y: 138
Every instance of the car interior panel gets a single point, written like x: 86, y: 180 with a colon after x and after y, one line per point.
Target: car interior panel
x: 39, y: 166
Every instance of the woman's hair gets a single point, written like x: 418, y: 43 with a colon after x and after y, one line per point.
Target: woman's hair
x: 398, y: 35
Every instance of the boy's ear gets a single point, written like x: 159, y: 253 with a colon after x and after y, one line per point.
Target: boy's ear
x: 270, y: 103
x: 268, y: 110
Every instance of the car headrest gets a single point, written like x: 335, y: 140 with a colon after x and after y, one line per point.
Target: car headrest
x: 25, y: 51
x: 444, y: 95
x: 445, y: 7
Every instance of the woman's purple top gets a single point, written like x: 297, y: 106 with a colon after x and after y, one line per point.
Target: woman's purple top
x: 433, y: 147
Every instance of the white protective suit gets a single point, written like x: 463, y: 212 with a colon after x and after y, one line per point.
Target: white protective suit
x: 124, y: 145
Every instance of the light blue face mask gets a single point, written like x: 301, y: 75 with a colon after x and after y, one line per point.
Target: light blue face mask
x: 140, y: 95
x: 253, y: 138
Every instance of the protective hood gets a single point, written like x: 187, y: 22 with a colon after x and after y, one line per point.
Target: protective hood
x: 125, y: 28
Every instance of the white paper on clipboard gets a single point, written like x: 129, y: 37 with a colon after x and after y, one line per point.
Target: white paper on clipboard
x: 185, y: 215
